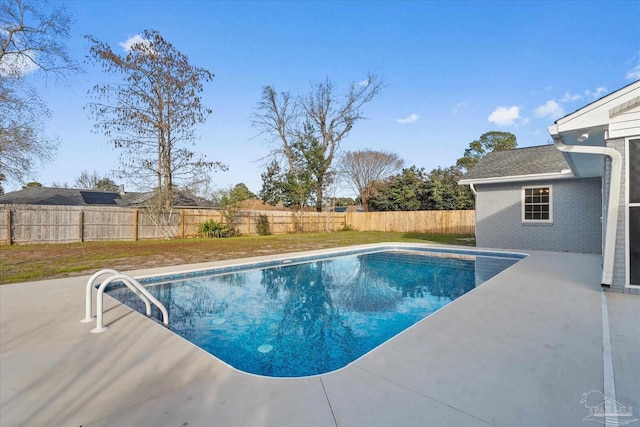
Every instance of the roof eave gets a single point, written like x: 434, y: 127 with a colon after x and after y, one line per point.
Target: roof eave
x: 518, y: 178
x: 593, y: 115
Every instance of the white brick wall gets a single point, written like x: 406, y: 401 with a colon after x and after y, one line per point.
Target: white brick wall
x: 576, y: 217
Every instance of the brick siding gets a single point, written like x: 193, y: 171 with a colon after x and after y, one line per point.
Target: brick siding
x: 576, y: 226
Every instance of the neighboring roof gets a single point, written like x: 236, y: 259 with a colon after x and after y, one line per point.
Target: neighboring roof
x: 67, y: 197
x: 540, y: 161
x: 348, y: 209
x: 180, y: 199
x: 79, y: 197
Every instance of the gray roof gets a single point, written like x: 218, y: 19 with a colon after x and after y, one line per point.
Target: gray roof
x: 67, y: 197
x: 79, y: 197
x: 520, y: 161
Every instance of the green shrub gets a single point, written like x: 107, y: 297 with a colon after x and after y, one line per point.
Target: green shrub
x: 347, y: 227
x: 212, y: 228
x: 262, y: 225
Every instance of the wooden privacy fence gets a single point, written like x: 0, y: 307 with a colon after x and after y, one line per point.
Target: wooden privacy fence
x: 20, y: 224
x: 440, y: 222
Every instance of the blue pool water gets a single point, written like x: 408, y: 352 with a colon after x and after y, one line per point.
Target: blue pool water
x: 314, y: 317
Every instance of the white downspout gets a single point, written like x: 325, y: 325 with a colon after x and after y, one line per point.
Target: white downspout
x: 612, y: 206
x: 473, y: 189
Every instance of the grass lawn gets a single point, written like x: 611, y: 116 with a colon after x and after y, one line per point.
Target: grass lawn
x: 37, y: 262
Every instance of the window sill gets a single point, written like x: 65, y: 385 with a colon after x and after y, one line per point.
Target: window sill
x: 543, y: 223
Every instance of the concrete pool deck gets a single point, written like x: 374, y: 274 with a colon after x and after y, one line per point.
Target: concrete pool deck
x: 522, y: 349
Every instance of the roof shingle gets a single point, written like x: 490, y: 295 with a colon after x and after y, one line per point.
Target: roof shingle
x: 520, y: 161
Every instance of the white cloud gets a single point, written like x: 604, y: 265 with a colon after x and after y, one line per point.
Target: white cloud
x: 505, y: 116
x: 634, y: 73
x: 409, y: 119
x: 363, y: 82
x: 14, y: 65
x: 600, y: 90
x: 128, y: 44
x: 570, y: 97
x: 459, y: 106
x: 538, y: 92
x: 551, y: 110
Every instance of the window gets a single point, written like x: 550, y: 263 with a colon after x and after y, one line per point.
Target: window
x: 536, y: 204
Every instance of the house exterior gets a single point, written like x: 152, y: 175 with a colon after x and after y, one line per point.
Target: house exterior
x: 581, y: 194
x: 46, y: 196
x: 511, y: 212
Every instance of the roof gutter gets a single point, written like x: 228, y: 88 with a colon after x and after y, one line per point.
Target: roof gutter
x: 518, y: 178
x: 614, y: 197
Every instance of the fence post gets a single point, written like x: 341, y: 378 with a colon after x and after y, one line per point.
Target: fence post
x: 81, y: 226
x: 9, y: 226
x: 181, y: 223
x: 135, y: 225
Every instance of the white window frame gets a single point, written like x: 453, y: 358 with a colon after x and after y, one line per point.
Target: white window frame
x: 522, y: 204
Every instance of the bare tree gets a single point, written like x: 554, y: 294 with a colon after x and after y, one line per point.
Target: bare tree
x: 87, y: 180
x: 23, y: 144
x: 57, y: 184
x: 93, y: 181
x: 32, y: 43
x: 151, y: 114
x: 363, y: 170
x: 322, y: 114
x: 33, y: 38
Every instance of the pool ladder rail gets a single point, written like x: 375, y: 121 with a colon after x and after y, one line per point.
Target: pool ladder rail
x: 131, y: 283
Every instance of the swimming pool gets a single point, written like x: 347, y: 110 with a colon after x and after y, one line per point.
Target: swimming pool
x: 311, y: 315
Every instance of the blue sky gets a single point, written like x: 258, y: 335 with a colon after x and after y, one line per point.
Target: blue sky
x: 453, y: 70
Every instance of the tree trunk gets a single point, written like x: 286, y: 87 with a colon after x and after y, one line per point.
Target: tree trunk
x: 364, y: 200
x: 319, y: 195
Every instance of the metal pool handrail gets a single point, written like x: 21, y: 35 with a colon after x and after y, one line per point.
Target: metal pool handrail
x: 87, y: 306
x: 132, y: 284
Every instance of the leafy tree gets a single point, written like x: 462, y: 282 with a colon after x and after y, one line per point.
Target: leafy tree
x: 407, y: 191
x: 444, y: 193
x: 487, y: 143
x: 32, y: 43
x: 32, y: 184
x: 151, y: 114
x: 323, y: 116
x: 107, y: 184
x: 230, y: 200
x: 303, y: 183
x: 293, y: 189
x: 297, y: 189
x: 341, y: 201
x: 364, y: 170
x: 241, y: 193
x: 414, y: 189
x: 271, y: 191
x: 312, y: 174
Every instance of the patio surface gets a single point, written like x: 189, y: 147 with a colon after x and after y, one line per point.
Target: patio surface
x: 522, y: 349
